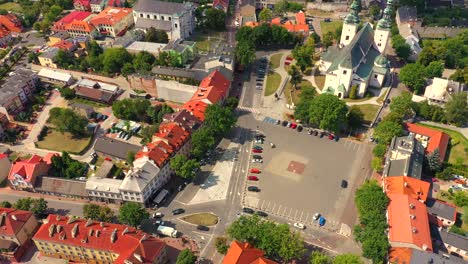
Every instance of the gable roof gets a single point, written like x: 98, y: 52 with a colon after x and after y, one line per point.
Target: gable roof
x: 12, y: 220
x: 402, y: 255
x: 221, y: 4
x: 27, y: 169
x: 158, y: 151
x: 175, y: 135
x: 441, y: 209
x: 184, y: 118
x: 73, y: 16
x: 437, y: 139
x: 127, y: 241
x: 94, y: 93
x: 197, y: 108
x: 415, y: 188
x: 408, y: 222
x: 244, y: 253
x: 114, y: 148
x: 407, y: 14
x: 61, y: 186
x: 110, y: 16
x: 152, y: 6
x: 454, y: 240
x: 213, y: 88
x: 144, y: 170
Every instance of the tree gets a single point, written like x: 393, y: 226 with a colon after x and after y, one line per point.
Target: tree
x: 456, y: 109
x: 127, y: 69
x: 402, y: 49
x: 280, y: 35
x: 327, y: 112
x: 303, y: 56
x: 184, y: 167
x: 337, y: 33
x: 67, y: 93
x: 67, y: 120
x: 219, y: 119
x: 374, y: 10
x: 24, y: 204
x: 265, y: 15
x: 347, y: 259
x: 131, y: 157
x: 318, y: 257
x: 327, y: 39
x: 143, y: 61
x: 316, y: 37
x: 5, y: 204
x: 460, y: 199
x: 445, y: 175
x: 221, y: 245
x: 296, y: 76
x: 202, y: 141
x: 460, y: 75
x: 156, y: 36
x: 131, y: 109
x: 147, y: 133
x: 186, y: 257
x: 232, y: 102
x: 281, y: 7
x: 434, y: 69
x: 402, y: 104
x: 276, y: 240
x: 261, y: 35
x: 215, y: 19
x: 244, y: 34
x: 376, y: 163
x: 386, y: 130
x: 380, y: 150
x: 39, y: 207
x: 63, y: 59
x: 355, y: 117
x: 433, y: 161
x: 413, y: 75
x: 353, y: 92
x: 132, y: 214
x: 245, y: 53
x: 113, y: 59
x: 91, y: 211
x: 65, y: 166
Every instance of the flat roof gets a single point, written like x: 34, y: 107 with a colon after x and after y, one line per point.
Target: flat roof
x: 146, y: 46
x: 55, y: 75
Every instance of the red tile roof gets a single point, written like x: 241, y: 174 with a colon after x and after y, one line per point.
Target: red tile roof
x: 3, y: 31
x: 175, y: 135
x: 183, y: 118
x: 128, y: 240
x: 110, y: 16
x: 28, y: 169
x: 158, y: 151
x: 3, y: 156
x: 84, y: 3
x: 197, y: 108
x: 244, y: 253
x: 408, y: 222
x: 213, y: 88
x: 115, y: 3
x: 292, y: 26
x: 12, y: 220
x: 221, y: 4
x: 437, y: 139
x: 64, y: 45
x: 72, y: 20
x: 413, y: 187
x: 399, y: 255
x: 11, y: 22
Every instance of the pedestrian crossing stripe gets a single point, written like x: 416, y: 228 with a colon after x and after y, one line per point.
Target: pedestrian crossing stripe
x: 248, y: 109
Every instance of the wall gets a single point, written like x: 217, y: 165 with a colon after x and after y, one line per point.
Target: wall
x: 147, y: 84
x: 332, y: 7
x: 174, y: 91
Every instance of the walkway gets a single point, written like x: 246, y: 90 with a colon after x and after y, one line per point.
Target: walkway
x: 462, y: 130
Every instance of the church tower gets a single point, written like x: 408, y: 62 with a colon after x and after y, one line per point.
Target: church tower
x: 382, y: 32
x: 351, y: 23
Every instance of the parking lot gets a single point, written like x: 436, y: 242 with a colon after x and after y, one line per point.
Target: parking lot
x: 302, y: 176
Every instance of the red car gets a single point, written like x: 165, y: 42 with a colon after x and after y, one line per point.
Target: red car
x: 289, y: 58
x: 256, y: 151
x: 287, y: 62
x: 331, y: 137
x: 293, y: 125
x: 435, y: 180
x: 255, y: 170
x: 252, y: 178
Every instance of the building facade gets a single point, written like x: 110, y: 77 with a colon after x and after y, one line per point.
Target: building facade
x: 17, y: 90
x: 113, y: 21
x: 23, y: 173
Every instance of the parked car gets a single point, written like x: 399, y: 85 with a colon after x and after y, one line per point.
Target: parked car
x: 259, y: 141
x: 299, y: 226
x: 316, y: 133
x: 284, y: 123
x: 253, y: 189
x: 257, y: 147
x: 257, y: 156
x: 158, y: 215
x: 178, y: 211
x: 310, y: 131
x: 316, y: 216
x: 322, y: 221
x: 257, y: 151
x: 203, y: 228
x: 252, y: 178
x: 247, y: 210
x: 331, y: 137
x: 278, y: 122
x: 327, y: 20
x: 257, y: 161
x: 159, y: 222
x: 261, y: 213
x: 344, y: 184
x: 255, y: 170
x: 299, y: 128
x: 293, y: 125
x: 289, y: 58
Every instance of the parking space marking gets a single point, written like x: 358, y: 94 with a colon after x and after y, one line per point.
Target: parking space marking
x: 290, y: 211
x: 295, y: 215
x: 263, y: 201
x: 279, y: 208
x: 300, y: 218
x: 307, y: 217
x: 273, y: 208
x: 268, y: 205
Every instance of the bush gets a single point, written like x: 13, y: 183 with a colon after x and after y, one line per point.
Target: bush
x: 380, y: 150
x: 353, y: 92
x: 376, y: 163
x: 221, y: 245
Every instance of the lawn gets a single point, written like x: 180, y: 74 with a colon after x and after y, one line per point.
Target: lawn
x: 18, y: 155
x: 13, y: 7
x: 381, y: 97
x: 369, y: 111
x: 458, y: 145
x: 87, y: 102
x: 304, y: 85
x: 275, y: 60
x: 330, y: 26
x: 205, y: 219
x: 204, y: 42
x: 57, y: 141
x: 273, y: 81
x: 319, y: 80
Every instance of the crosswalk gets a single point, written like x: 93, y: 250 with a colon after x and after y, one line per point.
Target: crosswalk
x: 248, y: 109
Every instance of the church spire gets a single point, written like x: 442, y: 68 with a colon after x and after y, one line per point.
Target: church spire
x: 386, y: 21
x: 353, y: 17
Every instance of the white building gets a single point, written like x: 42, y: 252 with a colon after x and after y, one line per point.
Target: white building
x: 439, y: 91
x: 359, y: 60
x: 177, y: 19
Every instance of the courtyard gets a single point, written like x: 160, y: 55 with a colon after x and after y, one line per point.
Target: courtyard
x: 302, y: 176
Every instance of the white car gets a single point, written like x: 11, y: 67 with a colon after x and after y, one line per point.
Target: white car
x: 456, y: 187
x: 316, y: 216
x: 257, y: 161
x: 259, y: 141
x: 299, y: 226
x: 158, y: 215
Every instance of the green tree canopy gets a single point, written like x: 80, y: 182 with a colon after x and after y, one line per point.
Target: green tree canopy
x: 414, y: 76
x: 245, y: 53
x: 380, y: 150
x: 143, y: 61
x: 131, y: 109
x: 131, y: 213
x: 65, y: 166
x: 303, y: 55
x: 37, y: 206
x: 113, y: 59
x: 456, y: 109
x: 265, y: 15
x: 202, y: 141
x: 184, y: 167
x: 433, y: 161
x: 156, y: 35
x: 67, y: 120
x: 386, y: 130
x: 327, y: 39
x: 318, y: 257
x: 5, y: 204
x: 347, y: 259
x: 434, y: 69
x: 296, y: 76
x: 215, y: 19
x: 327, y: 112
x: 402, y: 104
x: 355, y: 117
x: 402, y: 49
x: 186, y: 257
x: 219, y: 119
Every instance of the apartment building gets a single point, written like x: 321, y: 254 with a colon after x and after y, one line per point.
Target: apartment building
x: 113, y: 21
x: 16, y: 230
x: 404, y: 158
x: 176, y: 19
x: 87, y: 241
x: 76, y: 24
x: 17, y: 90
x: 11, y: 22
x: 23, y: 173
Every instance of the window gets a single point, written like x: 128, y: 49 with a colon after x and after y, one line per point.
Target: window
x: 170, y: 18
x: 175, y: 25
x: 344, y: 72
x: 375, y: 76
x: 162, y: 17
x: 347, y: 37
x: 141, y: 15
x: 147, y: 16
x: 379, y: 44
x: 155, y: 17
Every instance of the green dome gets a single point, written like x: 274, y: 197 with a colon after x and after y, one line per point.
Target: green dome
x: 384, y: 24
x: 352, y: 19
x: 381, y: 61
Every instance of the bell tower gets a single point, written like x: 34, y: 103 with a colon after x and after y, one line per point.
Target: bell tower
x: 351, y: 23
x: 382, y: 32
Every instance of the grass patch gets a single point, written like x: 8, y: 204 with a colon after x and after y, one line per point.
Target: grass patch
x: 275, y: 60
x: 205, y: 219
x: 205, y: 41
x: 87, y: 102
x: 273, y: 81
x: 369, y: 111
x: 330, y: 26
x: 11, y: 6
x: 317, y: 12
x: 319, y: 80
x: 458, y: 144
x: 18, y: 155
x: 294, y: 96
x: 57, y: 141
x: 365, y: 98
x: 381, y: 98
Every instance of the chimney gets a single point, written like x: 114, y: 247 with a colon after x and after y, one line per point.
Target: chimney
x: 59, y: 218
x: 125, y: 231
x: 51, y: 230
x: 89, y: 222
x: 58, y: 228
x: 14, y: 217
x: 71, y: 220
x: 405, y: 184
x: 90, y: 232
x: 411, y: 206
x: 74, y: 230
x: 85, y: 240
x: 114, y: 235
x: 137, y: 256
x: 101, y: 224
x: 97, y: 233
x: 143, y: 238
x: 412, y: 216
x: 414, y: 230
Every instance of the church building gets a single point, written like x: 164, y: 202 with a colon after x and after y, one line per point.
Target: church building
x: 359, y: 59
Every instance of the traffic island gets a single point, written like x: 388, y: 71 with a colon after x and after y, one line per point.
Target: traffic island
x: 202, y: 219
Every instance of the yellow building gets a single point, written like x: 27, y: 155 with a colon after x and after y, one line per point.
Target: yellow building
x: 90, y: 241
x: 47, y: 58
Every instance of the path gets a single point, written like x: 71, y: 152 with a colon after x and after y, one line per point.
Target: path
x: 462, y: 130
